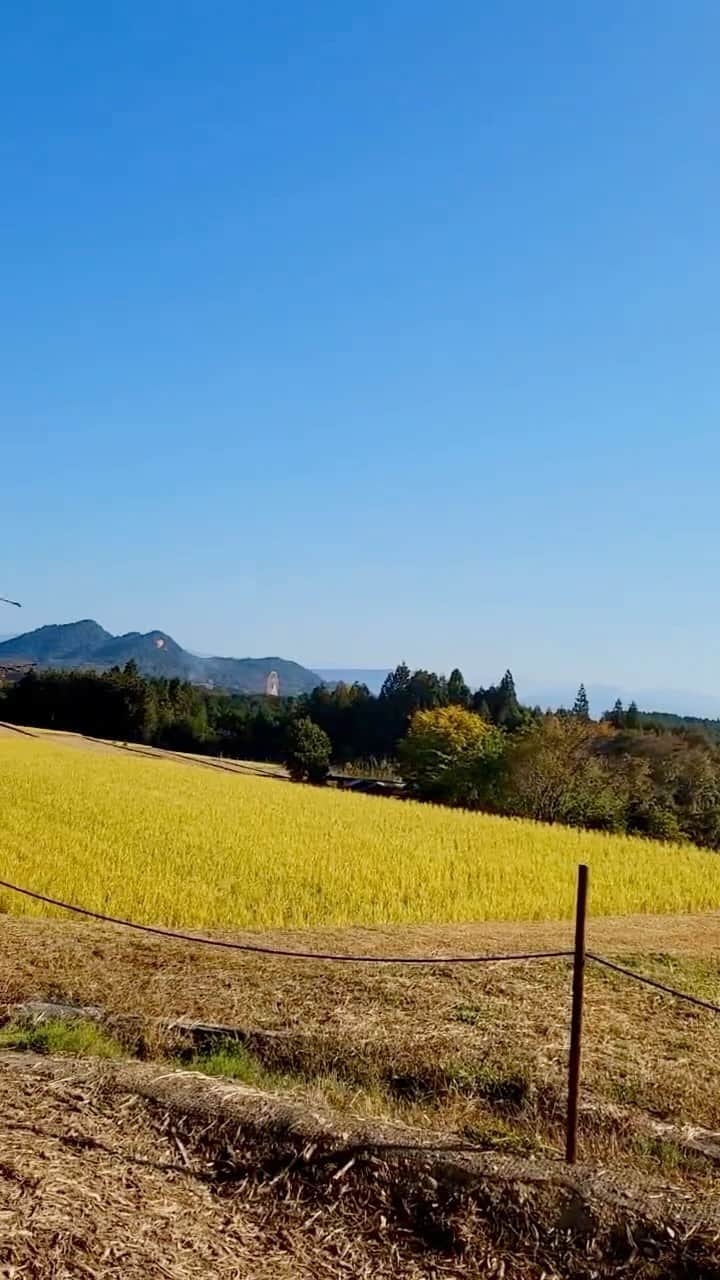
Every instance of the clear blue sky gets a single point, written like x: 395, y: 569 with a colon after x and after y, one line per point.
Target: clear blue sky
x: 354, y: 332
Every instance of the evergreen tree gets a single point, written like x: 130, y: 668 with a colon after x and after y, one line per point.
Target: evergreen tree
x: 425, y: 691
x: 507, y: 686
x: 506, y: 713
x: 393, y: 710
x: 499, y: 704
x: 457, y: 691
x: 581, y: 706
x: 632, y: 717
x: 616, y: 717
x: 396, y: 682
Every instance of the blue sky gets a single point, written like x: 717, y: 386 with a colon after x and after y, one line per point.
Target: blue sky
x: 358, y: 332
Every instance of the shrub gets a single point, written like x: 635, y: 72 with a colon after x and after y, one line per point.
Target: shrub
x: 308, y: 751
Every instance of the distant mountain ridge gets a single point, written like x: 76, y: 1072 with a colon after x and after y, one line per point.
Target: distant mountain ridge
x: 373, y: 677
x: 87, y: 644
x: 682, y: 702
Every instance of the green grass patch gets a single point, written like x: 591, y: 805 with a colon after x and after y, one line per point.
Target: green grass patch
x: 669, y: 1155
x: 469, y: 1014
x: 504, y: 1086
x: 234, y: 1062
x: 696, y: 975
x: 80, y: 1039
x: 493, y: 1135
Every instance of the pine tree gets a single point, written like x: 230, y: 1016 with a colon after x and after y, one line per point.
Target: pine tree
x: 616, y: 717
x: 396, y: 682
x: 632, y: 717
x: 581, y: 706
x: 457, y: 690
x: 499, y: 703
x: 507, y: 684
x: 508, y: 714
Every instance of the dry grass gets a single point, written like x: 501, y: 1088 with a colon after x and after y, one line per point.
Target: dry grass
x: 133, y: 1171
x: 170, y: 842
x: 476, y: 1052
x: 91, y: 1185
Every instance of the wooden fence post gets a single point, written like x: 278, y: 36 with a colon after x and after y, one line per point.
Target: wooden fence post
x: 578, y: 988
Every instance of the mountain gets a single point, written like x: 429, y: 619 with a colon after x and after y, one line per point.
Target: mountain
x: 87, y: 644
x: 602, y: 696
x: 373, y: 677
x: 57, y: 644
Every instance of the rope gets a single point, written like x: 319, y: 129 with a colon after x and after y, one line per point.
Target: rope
x: 651, y: 982
x: 254, y: 949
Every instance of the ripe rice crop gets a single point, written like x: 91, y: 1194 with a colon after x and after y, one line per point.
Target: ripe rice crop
x: 172, y: 843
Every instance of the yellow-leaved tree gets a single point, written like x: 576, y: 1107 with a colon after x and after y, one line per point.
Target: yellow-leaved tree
x: 453, y: 756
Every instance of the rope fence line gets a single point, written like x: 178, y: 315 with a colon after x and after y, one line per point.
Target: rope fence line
x: 339, y: 958
x: 255, y: 949
x: 579, y: 957
x: 652, y: 982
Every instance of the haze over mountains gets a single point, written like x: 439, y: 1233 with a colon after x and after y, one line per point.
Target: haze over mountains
x: 601, y: 696
x: 87, y: 644
x: 371, y: 676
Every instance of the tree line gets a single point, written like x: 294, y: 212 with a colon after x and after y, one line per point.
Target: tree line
x: 125, y: 705
x: 629, y: 772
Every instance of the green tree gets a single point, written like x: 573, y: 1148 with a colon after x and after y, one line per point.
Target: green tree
x: 507, y: 684
x: 452, y: 756
x: 502, y: 704
x: 581, y: 706
x: 458, y: 692
x: 616, y: 717
x: 397, y: 682
x: 632, y: 717
x: 555, y: 771
x: 426, y: 690
x: 308, y: 751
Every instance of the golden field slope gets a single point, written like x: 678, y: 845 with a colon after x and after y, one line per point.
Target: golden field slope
x: 165, y: 841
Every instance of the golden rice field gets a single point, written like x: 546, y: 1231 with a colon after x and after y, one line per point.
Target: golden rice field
x: 172, y: 843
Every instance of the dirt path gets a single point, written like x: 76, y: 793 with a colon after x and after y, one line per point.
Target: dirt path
x: 83, y: 742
